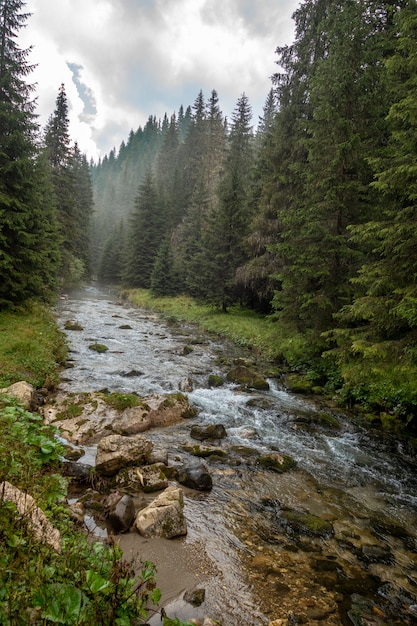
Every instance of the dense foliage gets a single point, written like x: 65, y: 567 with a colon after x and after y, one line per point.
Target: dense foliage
x: 310, y: 220
x: 45, y: 197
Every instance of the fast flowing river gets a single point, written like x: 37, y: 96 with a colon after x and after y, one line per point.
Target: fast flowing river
x: 256, y: 561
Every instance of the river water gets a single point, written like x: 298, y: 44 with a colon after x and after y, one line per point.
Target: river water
x: 260, y: 567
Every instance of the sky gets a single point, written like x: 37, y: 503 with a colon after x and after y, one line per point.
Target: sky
x: 124, y: 60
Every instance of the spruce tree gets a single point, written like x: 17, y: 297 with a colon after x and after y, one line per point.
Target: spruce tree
x: 144, y: 236
x: 28, y: 239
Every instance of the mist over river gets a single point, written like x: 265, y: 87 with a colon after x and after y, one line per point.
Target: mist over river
x: 243, y: 546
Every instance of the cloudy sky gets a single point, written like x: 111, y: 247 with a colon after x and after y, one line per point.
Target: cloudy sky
x: 123, y: 60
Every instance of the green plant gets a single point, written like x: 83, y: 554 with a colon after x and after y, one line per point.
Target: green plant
x: 122, y: 401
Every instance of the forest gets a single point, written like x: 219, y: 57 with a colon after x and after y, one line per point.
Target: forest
x: 306, y: 216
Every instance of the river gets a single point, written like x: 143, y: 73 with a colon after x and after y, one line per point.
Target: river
x: 255, y: 566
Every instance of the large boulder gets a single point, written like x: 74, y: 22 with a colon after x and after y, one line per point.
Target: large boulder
x: 24, y: 392
x: 155, y: 411
x: 247, y: 378
x: 115, y: 452
x: 164, y: 517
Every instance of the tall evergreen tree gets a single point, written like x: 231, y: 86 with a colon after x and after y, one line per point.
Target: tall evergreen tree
x: 28, y: 241
x: 144, y: 236
x: 226, y: 225
x: 345, y: 105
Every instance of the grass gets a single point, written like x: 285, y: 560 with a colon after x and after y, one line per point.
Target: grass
x: 242, y: 326
x: 32, y: 348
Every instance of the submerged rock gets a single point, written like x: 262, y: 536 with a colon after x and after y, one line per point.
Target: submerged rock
x: 306, y: 523
x: 195, y: 477
x: 213, y: 431
x: 279, y: 463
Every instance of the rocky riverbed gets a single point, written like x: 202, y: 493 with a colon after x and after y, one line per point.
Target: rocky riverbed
x: 306, y: 517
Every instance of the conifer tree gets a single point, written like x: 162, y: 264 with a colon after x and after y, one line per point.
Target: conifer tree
x: 226, y: 225
x: 28, y: 239
x: 337, y: 71
x: 144, y: 235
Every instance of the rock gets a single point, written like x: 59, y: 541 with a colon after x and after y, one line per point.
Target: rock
x: 279, y: 463
x: 78, y: 471
x: 154, y: 411
x: 115, y: 452
x: 195, y: 477
x: 158, y: 455
x: 77, y: 511
x: 32, y: 515
x: 247, y: 378
x: 196, y: 597
x: 164, y: 517
x: 213, y: 431
x: 24, y: 392
x: 376, y: 554
x: 215, y: 380
x: 306, y: 523
x: 148, y: 478
x: 186, y: 384
x: 121, y: 513
x: 204, y: 451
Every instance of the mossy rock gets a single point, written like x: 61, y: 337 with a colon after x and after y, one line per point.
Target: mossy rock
x: 215, y: 380
x: 189, y: 412
x: 327, y: 420
x: 125, y: 327
x: 122, y: 401
x: 70, y: 325
x: 187, y: 350
x: 279, y: 463
x: 204, y: 452
x: 248, y: 378
x: 98, y: 347
x: 298, y: 384
x: 307, y: 524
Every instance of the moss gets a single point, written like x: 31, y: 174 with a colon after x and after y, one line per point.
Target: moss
x: 189, y: 413
x: 98, y: 347
x: 308, y: 524
x: 122, y: 401
x: 215, y: 380
x: 327, y: 420
x: 247, y: 377
x: 125, y: 327
x: 174, y: 398
x: 204, y: 452
x: 279, y: 463
x: 70, y: 325
x: 298, y: 384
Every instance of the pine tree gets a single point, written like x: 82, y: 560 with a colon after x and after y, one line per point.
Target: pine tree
x: 28, y: 239
x: 144, y: 236
x: 226, y: 225
x: 345, y: 103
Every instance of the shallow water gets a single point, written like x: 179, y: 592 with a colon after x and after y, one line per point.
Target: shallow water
x: 364, y: 483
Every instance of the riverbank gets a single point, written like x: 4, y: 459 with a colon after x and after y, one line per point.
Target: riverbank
x: 382, y: 390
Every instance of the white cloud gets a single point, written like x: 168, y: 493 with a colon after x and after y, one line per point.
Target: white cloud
x: 138, y: 58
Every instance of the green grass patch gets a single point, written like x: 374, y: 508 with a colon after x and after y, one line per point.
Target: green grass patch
x: 243, y: 326
x: 122, y: 401
x: 32, y: 347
